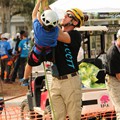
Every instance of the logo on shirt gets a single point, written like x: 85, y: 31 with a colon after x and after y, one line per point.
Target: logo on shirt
x: 69, y: 57
x: 26, y: 46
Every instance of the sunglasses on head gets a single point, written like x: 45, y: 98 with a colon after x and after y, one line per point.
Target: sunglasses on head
x: 70, y: 16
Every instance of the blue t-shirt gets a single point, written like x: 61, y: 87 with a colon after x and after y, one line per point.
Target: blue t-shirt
x: 44, y: 38
x: 4, y: 47
x: 25, y: 47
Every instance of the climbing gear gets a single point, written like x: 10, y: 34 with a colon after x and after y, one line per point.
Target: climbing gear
x: 49, y: 18
x: 78, y: 14
x: 50, y: 100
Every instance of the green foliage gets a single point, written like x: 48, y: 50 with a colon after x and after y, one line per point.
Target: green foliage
x: 88, y: 73
x: 17, y: 7
x: 51, y: 1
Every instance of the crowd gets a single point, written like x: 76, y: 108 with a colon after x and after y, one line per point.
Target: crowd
x: 13, y: 55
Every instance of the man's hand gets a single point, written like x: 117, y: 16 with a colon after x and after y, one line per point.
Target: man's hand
x: 118, y: 76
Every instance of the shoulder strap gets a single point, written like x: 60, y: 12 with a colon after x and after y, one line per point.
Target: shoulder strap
x: 53, y: 54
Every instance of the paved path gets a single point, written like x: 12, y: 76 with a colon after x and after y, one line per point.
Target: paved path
x: 13, y: 101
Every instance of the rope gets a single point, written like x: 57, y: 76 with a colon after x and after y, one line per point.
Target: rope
x: 50, y: 100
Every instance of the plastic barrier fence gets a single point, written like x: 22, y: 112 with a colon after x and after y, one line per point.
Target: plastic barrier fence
x: 15, y: 113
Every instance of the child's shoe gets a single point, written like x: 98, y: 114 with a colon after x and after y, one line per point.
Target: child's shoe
x: 25, y: 82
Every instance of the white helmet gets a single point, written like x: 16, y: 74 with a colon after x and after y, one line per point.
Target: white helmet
x: 118, y: 33
x: 49, y: 17
x: 6, y: 36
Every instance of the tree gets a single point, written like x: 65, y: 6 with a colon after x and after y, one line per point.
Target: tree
x: 11, y: 8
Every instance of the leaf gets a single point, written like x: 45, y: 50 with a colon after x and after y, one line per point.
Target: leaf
x: 88, y: 73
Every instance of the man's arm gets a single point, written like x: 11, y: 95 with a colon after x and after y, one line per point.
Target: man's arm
x: 63, y: 36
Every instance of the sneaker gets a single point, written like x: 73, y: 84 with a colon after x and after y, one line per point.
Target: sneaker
x: 21, y: 80
x: 25, y: 82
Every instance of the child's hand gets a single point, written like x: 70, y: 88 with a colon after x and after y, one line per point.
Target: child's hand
x: 44, y: 4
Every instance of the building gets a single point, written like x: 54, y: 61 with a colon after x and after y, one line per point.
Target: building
x: 17, y: 23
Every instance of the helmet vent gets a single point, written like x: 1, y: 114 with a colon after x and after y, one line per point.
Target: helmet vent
x: 43, y: 15
x: 43, y: 19
x: 47, y: 22
x: 49, y: 17
x: 54, y: 23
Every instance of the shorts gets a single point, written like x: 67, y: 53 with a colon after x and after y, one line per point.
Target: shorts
x: 36, y: 59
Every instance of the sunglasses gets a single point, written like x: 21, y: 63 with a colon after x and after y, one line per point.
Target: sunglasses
x: 70, y: 15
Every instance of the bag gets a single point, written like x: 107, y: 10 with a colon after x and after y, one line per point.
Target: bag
x: 55, y: 72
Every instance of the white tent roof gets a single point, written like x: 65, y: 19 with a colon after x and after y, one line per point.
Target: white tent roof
x: 88, y: 5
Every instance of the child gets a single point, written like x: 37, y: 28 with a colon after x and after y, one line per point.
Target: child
x: 45, y: 37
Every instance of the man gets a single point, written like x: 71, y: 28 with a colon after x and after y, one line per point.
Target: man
x: 23, y: 50
x: 5, y: 55
x: 11, y: 41
x: 113, y: 74
x: 65, y: 90
x: 17, y: 40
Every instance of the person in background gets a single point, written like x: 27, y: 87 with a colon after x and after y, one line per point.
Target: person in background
x: 0, y: 59
x: 0, y: 35
x: 66, y: 86
x: 14, y: 52
x: 45, y: 38
x: 11, y: 41
x: 16, y: 40
x: 23, y: 51
x: 5, y: 55
x: 113, y: 74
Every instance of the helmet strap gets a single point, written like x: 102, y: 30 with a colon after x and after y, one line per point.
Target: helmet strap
x: 69, y: 24
x: 47, y: 27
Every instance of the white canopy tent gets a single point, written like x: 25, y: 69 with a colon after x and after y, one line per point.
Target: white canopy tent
x: 86, y: 5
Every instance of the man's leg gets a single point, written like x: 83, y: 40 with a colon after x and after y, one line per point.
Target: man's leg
x: 57, y: 101
x: 16, y: 67
x: 22, y: 67
x: 2, y: 69
x: 73, y: 97
x: 113, y: 87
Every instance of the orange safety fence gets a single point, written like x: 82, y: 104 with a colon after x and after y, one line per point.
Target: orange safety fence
x: 14, y: 113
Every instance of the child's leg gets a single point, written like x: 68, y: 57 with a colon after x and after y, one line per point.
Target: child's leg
x: 27, y: 72
x: 28, y: 68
